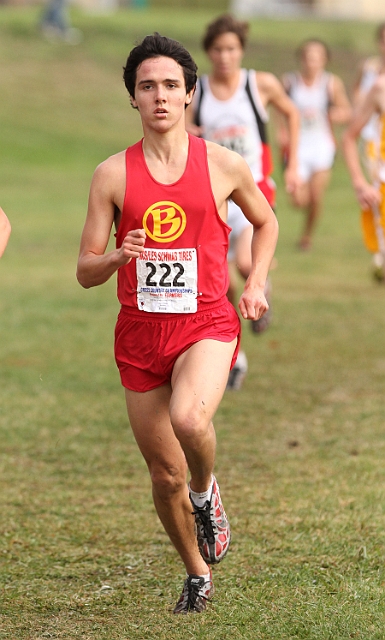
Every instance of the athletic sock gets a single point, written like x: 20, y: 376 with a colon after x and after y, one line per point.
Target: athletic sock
x: 206, y: 576
x: 199, y: 499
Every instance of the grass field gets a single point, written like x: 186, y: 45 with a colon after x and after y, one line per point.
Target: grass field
x: 300, y: 447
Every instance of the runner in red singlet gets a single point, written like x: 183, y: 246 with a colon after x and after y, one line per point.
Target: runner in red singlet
x: 177, y: 334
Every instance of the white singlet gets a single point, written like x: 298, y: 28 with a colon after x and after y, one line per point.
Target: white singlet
x: 232, y: 124
x: 316, y: 148
x: 369, y: 75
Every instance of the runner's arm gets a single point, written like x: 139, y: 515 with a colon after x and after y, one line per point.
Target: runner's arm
x: 255, y: 207
x: 273, y: 92
x: 361, y: 86
x: 280, y: 123
x: 5, y: 231
x: 94, y: 265
x: 357, y: 93
x: 366, y: 193
x: 340, y: 110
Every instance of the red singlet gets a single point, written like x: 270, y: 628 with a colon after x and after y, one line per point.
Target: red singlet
x: 184, y: 233
x: 182, y: 276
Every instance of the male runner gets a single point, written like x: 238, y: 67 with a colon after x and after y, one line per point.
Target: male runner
x: 371, y: 196
x: 177, y: 334
x: 368, y: 72
x: 230, y: 108
x: 321, y: 99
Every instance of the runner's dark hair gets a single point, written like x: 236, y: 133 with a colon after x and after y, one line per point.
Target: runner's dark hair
x: 155, y: 46
x: 300, y: 50
x: 226, y: 23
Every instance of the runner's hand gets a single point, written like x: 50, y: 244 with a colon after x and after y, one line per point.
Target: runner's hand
x: 367, y: 195
x: 253, y: 304
x: 292, y: 180
x: 132, y: 245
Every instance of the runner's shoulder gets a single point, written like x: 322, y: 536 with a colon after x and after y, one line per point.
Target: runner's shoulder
x: 110, y: 167
x: 266, y: 80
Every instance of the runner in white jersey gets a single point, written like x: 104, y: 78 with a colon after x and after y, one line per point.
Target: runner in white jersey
x: 368, y: 73
x: 322, y: 101
x: 315, y: 131
x: 370, y: 194
x: 239, y: 124
x: 230, y: 108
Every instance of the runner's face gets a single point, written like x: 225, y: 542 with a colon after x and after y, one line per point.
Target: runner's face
x: 226, y: 54
x: 160, y: 93
x: 313, y: 58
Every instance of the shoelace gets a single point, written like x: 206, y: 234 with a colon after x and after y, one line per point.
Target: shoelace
x: 194, y: 591
x: 204, y: 515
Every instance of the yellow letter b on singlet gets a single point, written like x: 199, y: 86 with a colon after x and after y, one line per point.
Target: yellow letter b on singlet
x: 164, y: 221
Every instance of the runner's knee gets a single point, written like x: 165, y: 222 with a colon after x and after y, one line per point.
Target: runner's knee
x: 167, y: 480
x: 190, y: 425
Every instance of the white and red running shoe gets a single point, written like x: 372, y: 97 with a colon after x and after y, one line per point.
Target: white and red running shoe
x: 213, y: 528
x: 196, y: 592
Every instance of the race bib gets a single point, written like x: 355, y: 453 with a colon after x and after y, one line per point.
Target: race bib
x: 236, y: 138
x: 311, y: 119
x: 167, y: 281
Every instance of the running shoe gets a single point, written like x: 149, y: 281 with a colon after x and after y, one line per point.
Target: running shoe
x: 378, y: 267
x: 304, y: 244
x: 378, y: 274
x: 238, y: 372
x: 196, y: 592
x: 213, y: 528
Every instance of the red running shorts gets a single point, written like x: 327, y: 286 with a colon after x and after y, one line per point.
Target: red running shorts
x: 147, y: 345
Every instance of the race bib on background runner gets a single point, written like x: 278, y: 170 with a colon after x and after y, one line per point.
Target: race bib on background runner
x: 167, y: 281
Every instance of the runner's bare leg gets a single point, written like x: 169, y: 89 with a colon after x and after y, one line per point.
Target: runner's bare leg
x: 149, y: 417
x: 199, y: 380
x: 317, y: 187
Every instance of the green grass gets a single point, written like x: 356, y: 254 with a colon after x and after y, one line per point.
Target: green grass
x: 300, y: 447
